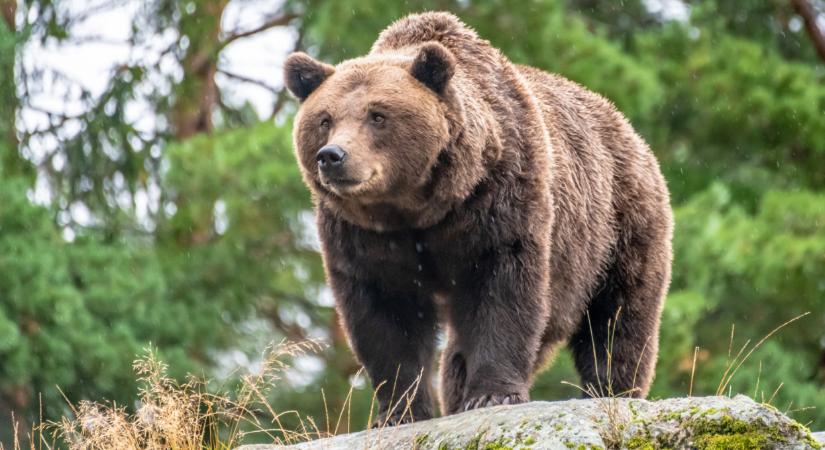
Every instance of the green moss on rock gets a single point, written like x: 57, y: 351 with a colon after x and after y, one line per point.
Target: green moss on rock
x: 727, y: 432
x: 639, y: 443
x: 740, y: 441
x: 421, y: 440
x: 713, y: 429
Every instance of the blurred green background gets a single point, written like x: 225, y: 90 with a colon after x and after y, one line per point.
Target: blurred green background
x: 157, y: 205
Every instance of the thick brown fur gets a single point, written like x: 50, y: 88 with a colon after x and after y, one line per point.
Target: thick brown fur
x: 511, y: 206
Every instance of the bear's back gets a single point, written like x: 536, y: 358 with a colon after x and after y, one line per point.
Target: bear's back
x: 414, y: 29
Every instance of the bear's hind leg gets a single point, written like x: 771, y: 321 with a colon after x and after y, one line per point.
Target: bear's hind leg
x: 616, y: 345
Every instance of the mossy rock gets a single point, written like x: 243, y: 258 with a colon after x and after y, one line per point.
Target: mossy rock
x: 704, y: 423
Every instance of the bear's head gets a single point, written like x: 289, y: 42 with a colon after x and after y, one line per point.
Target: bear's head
x: 371, y: 131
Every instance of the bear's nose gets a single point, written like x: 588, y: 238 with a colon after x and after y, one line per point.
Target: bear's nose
x: 330, y: 156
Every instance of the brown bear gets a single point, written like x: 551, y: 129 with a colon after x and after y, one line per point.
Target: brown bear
x: 510, y: 206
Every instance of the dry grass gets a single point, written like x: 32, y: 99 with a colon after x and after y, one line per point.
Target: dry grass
x: 180, y: 416
x: 734, y: 364
x: 186, y: 416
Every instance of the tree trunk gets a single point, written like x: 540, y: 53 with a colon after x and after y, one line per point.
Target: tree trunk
x: 197, y: 94
x: 8, y: 8
x: 10, y: 161
x: 14, y: 400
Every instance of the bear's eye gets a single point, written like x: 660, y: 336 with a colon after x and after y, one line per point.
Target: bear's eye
x: 325, y: 124
x: 377, y: 118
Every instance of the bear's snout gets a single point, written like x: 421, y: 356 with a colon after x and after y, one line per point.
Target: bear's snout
x: 330, y: 158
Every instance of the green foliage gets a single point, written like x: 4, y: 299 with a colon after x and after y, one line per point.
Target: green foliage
x: 754, y: 271
x: 738, y: 104
x: 70, y: 313
x: 767, y: 22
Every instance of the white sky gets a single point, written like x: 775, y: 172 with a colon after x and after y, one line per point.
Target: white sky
x: 669, y: 9
x: 89, y: 64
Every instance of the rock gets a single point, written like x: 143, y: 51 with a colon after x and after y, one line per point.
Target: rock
x: 820, y: 437
x: 697, y: 422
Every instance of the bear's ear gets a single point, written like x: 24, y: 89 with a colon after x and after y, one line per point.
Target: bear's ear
x: 434, y: 66
x: 303, y: 74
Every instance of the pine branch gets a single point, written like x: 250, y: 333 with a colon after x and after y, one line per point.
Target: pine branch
x: 278, y: 21
x: 246, y: 79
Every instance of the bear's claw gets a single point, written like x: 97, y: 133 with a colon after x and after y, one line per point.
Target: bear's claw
x: 392, y: 421
x: 488, y: 400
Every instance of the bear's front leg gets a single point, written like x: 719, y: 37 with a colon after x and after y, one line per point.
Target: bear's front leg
x: 496, y: 319
x: 393, y: 335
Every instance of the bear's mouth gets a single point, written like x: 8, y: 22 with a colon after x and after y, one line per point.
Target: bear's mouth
x: 347, y: 186
x: 342, y: 182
